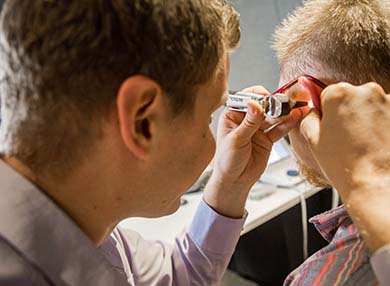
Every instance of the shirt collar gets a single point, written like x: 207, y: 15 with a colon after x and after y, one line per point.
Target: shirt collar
x: 328, y: 222
x: 47, y: 237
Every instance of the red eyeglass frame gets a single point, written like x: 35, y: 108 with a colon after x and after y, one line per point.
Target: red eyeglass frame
x: 315, y: 99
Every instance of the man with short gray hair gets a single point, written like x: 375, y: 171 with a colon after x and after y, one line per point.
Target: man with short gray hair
x: 321, y: 43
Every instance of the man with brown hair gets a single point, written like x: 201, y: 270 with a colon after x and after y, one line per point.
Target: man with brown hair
x: 105, y: 115
x: 333, y: 41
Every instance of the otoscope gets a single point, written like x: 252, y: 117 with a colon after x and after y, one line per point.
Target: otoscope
x: 274, y: 105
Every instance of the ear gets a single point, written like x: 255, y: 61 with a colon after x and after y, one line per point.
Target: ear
x: 313, y: 90
x: 138, y: 103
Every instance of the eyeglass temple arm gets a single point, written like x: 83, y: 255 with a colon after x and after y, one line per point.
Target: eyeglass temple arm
x: 291, y: 83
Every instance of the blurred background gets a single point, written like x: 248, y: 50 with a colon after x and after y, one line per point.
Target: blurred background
x: 254, y: 62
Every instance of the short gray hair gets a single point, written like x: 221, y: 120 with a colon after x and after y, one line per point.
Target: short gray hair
x: 345, y: 40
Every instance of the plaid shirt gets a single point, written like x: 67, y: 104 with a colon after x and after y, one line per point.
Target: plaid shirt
x: 345, y: 261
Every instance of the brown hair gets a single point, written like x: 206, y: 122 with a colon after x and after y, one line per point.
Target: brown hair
x: 343, y: 40
x: 65, y: 61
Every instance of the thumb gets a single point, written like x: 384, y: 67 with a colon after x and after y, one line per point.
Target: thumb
x: 310, y: 127
x: 252, y: 121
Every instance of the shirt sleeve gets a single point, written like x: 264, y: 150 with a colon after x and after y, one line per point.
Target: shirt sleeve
x: 380, y: 262
x: 199, y: 256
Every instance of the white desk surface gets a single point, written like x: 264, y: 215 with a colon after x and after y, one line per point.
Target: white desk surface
x: 259, y: 212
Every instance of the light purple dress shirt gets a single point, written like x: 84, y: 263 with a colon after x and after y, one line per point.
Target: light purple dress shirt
x: 41, y: 245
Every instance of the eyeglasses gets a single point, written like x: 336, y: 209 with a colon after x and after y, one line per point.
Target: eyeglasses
x: 315, y: 99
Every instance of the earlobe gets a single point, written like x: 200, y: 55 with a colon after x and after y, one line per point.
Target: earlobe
x: 138, y: 102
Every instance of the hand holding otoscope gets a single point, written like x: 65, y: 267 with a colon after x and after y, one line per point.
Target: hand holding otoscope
x: 279, y: 103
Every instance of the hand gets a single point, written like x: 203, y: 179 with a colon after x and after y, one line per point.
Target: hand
x: 352, y: 145
x: 243, y: 149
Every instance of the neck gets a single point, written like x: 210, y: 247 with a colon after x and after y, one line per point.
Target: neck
x: 85, y: 196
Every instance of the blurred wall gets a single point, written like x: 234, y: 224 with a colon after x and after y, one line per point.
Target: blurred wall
x: 254, y: 62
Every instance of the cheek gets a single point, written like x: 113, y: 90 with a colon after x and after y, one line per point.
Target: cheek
x: 212, y: 148
x: 197, y: 152
x: 208, y: 146
x: 196, y: 156
x: 302, y: 150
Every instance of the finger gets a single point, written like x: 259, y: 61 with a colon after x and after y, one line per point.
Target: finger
x: 269, y: 122
x: 252, y: 121
x: 234, y: 116
x: 285, y: 126
x: 336, y: 93
x: 310, y: 127
x: 373, y: 89
x: 257, y: 89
